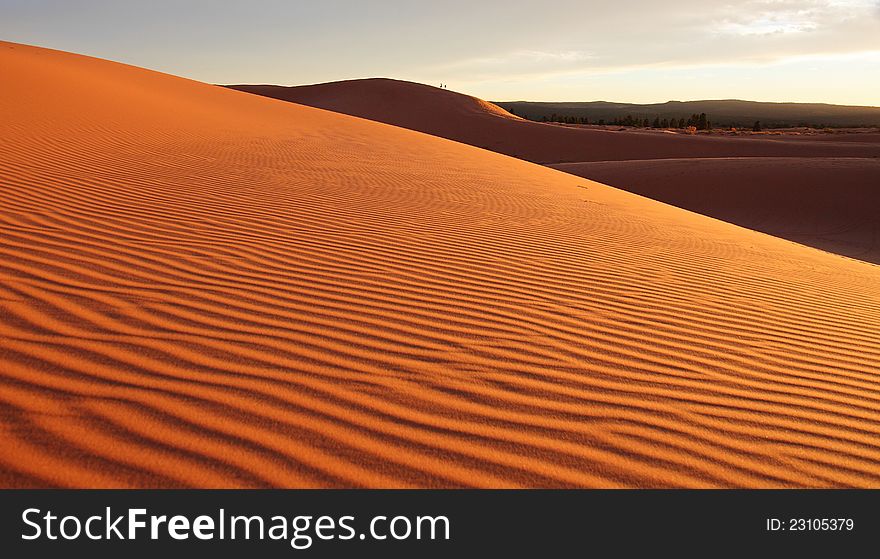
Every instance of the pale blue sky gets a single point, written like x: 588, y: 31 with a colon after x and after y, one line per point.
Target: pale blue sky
x: 619, y: 50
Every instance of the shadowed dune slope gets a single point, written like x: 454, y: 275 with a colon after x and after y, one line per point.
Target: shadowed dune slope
x: 200, y: 287
x: 479, y: 123
x: 826, y: 203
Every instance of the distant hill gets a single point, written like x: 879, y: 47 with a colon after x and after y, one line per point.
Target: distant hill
x: 401, y: 103
x: 722, y: 113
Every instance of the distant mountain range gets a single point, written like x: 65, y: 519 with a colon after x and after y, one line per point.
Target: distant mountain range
x: 730, y: 112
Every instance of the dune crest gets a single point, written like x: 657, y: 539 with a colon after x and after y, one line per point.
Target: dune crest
x: 400, y: 103
x: 204, y: 288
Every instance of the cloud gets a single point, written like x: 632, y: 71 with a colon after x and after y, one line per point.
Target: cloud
x: 763, y: 17
x: 630, y: 35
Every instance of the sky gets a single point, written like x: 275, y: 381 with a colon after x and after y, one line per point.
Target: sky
x: 637, y: 51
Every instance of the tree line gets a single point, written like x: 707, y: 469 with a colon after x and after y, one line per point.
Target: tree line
x: 699, y: 121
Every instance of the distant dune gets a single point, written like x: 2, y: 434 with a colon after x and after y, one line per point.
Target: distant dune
x: 468, y: 120
x: 397, y: 102
x: 819, y: 190
x: 204, y: 288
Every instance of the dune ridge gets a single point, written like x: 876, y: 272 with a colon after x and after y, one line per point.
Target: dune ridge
x: 203, y: 288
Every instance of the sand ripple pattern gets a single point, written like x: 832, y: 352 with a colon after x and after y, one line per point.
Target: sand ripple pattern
x: 204, y: 288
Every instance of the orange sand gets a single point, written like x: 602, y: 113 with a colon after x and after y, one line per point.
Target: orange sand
x: 200, y: 287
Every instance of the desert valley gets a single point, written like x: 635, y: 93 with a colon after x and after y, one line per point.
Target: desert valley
x: 376, y: 283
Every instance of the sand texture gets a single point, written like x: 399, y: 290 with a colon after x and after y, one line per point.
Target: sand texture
x: 205, y: 288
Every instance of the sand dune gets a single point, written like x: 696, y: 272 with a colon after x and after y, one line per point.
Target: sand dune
x: 820, y: 190
x: 826, y: 203
x: 200, y: 287
x: 468, y: 120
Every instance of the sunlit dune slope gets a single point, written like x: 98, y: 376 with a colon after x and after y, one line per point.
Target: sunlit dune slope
x: 471, y: 121
x: 200, y: 287
x: 827, y: 203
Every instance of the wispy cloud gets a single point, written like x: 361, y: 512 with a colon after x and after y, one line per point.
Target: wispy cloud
x: 763, y: 17
x: 679, y: 35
